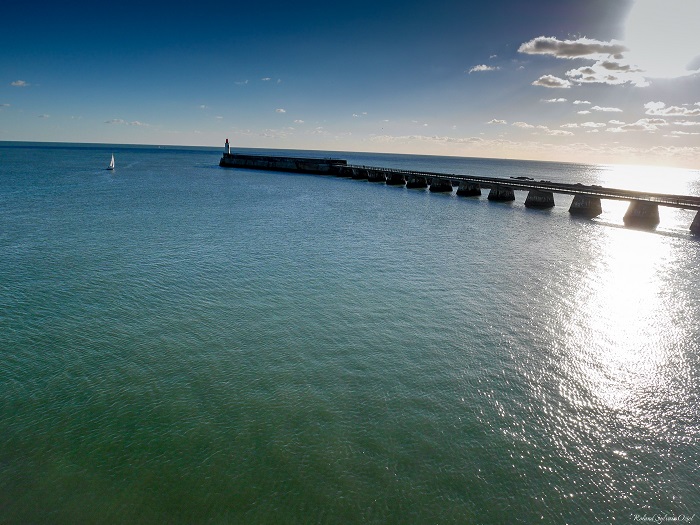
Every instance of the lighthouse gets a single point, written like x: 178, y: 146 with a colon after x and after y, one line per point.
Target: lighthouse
x: 227, y: 148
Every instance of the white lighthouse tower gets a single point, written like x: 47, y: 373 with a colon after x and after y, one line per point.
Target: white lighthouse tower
x: 227, y: 148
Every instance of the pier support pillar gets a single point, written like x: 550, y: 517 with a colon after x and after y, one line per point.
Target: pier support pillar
x: 586, y: 206
x: 395, y: 179
x: 642, y: 214
x: 695, y: 226
x: 539, y: 199
x: 376, y: 176
x: 500, y: 193
x: 359, y: 174
x: 415, y: 181
x: 441, y: 185
x: 343, y: 171
x: 468, y: 189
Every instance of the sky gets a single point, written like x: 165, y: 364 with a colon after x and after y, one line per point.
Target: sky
x: 595, y: 81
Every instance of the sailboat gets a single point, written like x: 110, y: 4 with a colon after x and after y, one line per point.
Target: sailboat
x: 111, y: 163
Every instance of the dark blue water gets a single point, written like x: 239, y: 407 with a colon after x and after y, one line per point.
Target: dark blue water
x: 183, y: 343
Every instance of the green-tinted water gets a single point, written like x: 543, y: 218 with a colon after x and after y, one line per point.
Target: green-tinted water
x: 188, y: 344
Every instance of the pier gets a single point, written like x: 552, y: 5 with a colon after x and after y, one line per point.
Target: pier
x: 643, y: 210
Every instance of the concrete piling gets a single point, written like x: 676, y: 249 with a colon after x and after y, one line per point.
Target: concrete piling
x: 468, y: 189
x: 395, y: 179
x: 586, y: 206
x: 642, y: 214
x: 440, y: 185
x: 695, y: 226
x: 376, y: 176
x: 414, y: 181
x: 539, y: 199
x: 500, y: 193
x: 359, y: 173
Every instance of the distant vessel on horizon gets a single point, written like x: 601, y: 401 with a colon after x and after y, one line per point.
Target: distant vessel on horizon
x: 111, y: 163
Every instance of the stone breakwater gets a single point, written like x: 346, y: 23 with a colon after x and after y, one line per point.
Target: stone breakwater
x: 291, y: 164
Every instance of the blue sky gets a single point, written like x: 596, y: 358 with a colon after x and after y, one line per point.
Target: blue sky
x: 604, y: 81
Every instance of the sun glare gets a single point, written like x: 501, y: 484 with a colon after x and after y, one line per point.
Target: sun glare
x: 623, y: 301
x: 663, y: 37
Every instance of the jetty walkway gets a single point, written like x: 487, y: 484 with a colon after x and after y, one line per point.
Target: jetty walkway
x: 643, y: 210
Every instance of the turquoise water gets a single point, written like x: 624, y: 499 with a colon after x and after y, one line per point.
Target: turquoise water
x: 183, y: 343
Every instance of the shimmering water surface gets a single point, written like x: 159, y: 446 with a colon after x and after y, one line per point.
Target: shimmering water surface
x: 182, y: 343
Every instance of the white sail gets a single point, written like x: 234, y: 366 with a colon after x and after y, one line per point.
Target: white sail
x: 111, y: 163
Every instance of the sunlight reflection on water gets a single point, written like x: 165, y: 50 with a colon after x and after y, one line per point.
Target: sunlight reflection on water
x: 620, y: 366
x: 624, y: 315
x: 622, y: 342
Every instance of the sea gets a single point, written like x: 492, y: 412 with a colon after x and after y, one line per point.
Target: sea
x: 182, y: 343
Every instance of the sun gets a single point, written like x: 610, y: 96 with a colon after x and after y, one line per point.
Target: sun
x: 662, y: 37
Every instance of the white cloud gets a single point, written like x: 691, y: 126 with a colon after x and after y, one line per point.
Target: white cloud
x: 280, y: 110
x: 610, y: 66
x: 124, y: 122
x: 44, y: 116
x: 241, y: 82
x: 589, y: 125
x: 19, y: 83
x: 645, y: 124
x: 298, y: 121
x: 606, y: 110
x: 432, y: 139
x: 577, y: 102
x: 684, y: 133
x: 523, y: 125
x: 608, y: 72
x: 483, y: 67
x: 266, y: 79
x: 676, y: 123
x: 275, y: 133
x: 661, y: 42
x: 496, y: 121
x: 554, y: 132
x: 581, y: 48
x: 550, y: 81
x: 659, y: 108
x: 584, y: 112
x: 4, y: 105
x: 553, y: 100
x: 203, y: 106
